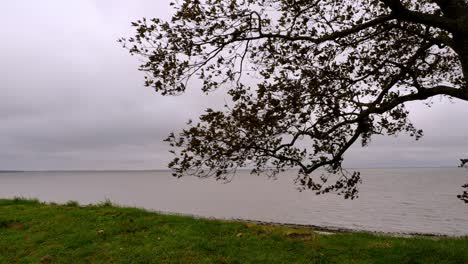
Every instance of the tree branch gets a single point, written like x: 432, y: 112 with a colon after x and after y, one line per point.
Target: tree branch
x: 422, y: 95
x: 332, y: 36
x: 403, y: 14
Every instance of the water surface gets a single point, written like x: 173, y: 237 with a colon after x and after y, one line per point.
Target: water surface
x: 409, y: 200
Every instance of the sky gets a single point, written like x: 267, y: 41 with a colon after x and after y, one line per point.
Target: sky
x: 72, y: 97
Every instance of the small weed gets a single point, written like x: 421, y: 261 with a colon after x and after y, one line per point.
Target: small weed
x: 72, y: 204
x: 24, y: 200
x: 106, y: 203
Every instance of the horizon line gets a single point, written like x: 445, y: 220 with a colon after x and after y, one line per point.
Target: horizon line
x: 167, y: 169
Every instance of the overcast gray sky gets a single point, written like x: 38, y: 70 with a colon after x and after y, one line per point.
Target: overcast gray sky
x: 72, y: 98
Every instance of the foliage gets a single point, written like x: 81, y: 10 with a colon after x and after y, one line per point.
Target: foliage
x: 72, y: 203
x: 464, y: 195
x: 33, y: 232
x: 307, y: 78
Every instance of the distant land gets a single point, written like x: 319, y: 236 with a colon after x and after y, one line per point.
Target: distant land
x: 242, y: 169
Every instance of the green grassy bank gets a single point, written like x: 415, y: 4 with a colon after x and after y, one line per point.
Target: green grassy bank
x: 33, y: 232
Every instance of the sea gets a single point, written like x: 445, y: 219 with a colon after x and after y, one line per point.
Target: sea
x: 391, y: 200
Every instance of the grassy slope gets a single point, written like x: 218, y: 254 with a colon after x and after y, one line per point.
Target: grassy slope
x: 34, y: 232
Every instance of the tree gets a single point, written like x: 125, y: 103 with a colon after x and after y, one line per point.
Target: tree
x: 464, y: 195
x: 307, y: 78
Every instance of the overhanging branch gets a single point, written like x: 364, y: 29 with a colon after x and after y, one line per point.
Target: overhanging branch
x: 404, y: 14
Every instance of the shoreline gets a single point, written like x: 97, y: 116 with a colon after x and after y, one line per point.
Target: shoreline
x: 35, y: 232
x: 317, y: 228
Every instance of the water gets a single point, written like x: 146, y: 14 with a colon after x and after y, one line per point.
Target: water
x: 415, y: 200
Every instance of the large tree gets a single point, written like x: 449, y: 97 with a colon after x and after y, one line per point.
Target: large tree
x: 307, y: 78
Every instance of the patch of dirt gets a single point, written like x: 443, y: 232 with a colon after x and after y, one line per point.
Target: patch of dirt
x: 300, y: 235
x: 380, y: 245
x: 47, y: 259
x: 15, y: 225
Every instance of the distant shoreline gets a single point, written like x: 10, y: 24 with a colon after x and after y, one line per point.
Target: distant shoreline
x: 244, y: 169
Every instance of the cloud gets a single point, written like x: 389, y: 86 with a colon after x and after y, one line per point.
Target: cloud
x: 72, y: 98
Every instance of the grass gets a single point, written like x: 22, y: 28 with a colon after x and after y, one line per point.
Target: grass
x: 35, y: 232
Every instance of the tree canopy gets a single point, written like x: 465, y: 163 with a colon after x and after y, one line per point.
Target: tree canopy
x: 307, y: 78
